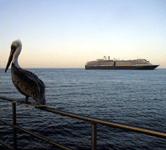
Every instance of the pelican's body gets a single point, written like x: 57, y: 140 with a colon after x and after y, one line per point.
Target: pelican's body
x: 25, y: 81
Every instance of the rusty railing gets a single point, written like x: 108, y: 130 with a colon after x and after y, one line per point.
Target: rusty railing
x: 93, y: 122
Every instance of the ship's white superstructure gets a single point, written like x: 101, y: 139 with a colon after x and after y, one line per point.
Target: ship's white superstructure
x: 134, y: 62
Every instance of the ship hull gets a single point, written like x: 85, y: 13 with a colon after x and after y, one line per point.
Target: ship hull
x: 150, y: 67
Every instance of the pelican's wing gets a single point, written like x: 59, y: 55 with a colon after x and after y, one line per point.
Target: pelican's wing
x: 27, y: 83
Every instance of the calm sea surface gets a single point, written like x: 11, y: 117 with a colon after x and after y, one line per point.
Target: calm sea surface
x: 132, y: 97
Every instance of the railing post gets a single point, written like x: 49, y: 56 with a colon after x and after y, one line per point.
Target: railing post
x: 14, y: 129
x: 93, y: 136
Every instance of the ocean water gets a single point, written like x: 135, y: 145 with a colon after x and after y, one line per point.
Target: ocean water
x: 132, y: 97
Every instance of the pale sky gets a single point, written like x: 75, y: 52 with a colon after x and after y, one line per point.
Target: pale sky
x: 68, y: 33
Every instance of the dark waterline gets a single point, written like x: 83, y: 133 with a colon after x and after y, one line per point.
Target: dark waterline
x: 132, y: 97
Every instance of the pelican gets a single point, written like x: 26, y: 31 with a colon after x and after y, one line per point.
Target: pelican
x: 25, y: 81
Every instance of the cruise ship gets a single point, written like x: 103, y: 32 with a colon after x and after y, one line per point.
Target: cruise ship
x: 107, y: 64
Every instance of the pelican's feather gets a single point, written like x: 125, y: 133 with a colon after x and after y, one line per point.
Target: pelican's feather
x: 28, y: 83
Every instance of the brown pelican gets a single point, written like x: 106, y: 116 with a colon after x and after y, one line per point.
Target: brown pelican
x: 25, y: 81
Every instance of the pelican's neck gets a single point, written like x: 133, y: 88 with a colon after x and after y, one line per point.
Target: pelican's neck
x: 15, y: 62
x: 15, y: 57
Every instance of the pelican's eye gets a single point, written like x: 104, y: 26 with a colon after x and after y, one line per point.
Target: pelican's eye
x: 13, y: 47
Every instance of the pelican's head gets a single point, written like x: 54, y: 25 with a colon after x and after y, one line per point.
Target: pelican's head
x: 14, y: 53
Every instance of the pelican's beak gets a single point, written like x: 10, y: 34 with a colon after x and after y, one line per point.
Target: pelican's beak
x: 13, y: 49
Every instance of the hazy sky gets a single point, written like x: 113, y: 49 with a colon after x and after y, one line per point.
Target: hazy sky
x: 68, y: 33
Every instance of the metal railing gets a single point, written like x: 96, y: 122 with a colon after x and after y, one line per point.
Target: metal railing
x: 93, y: 122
